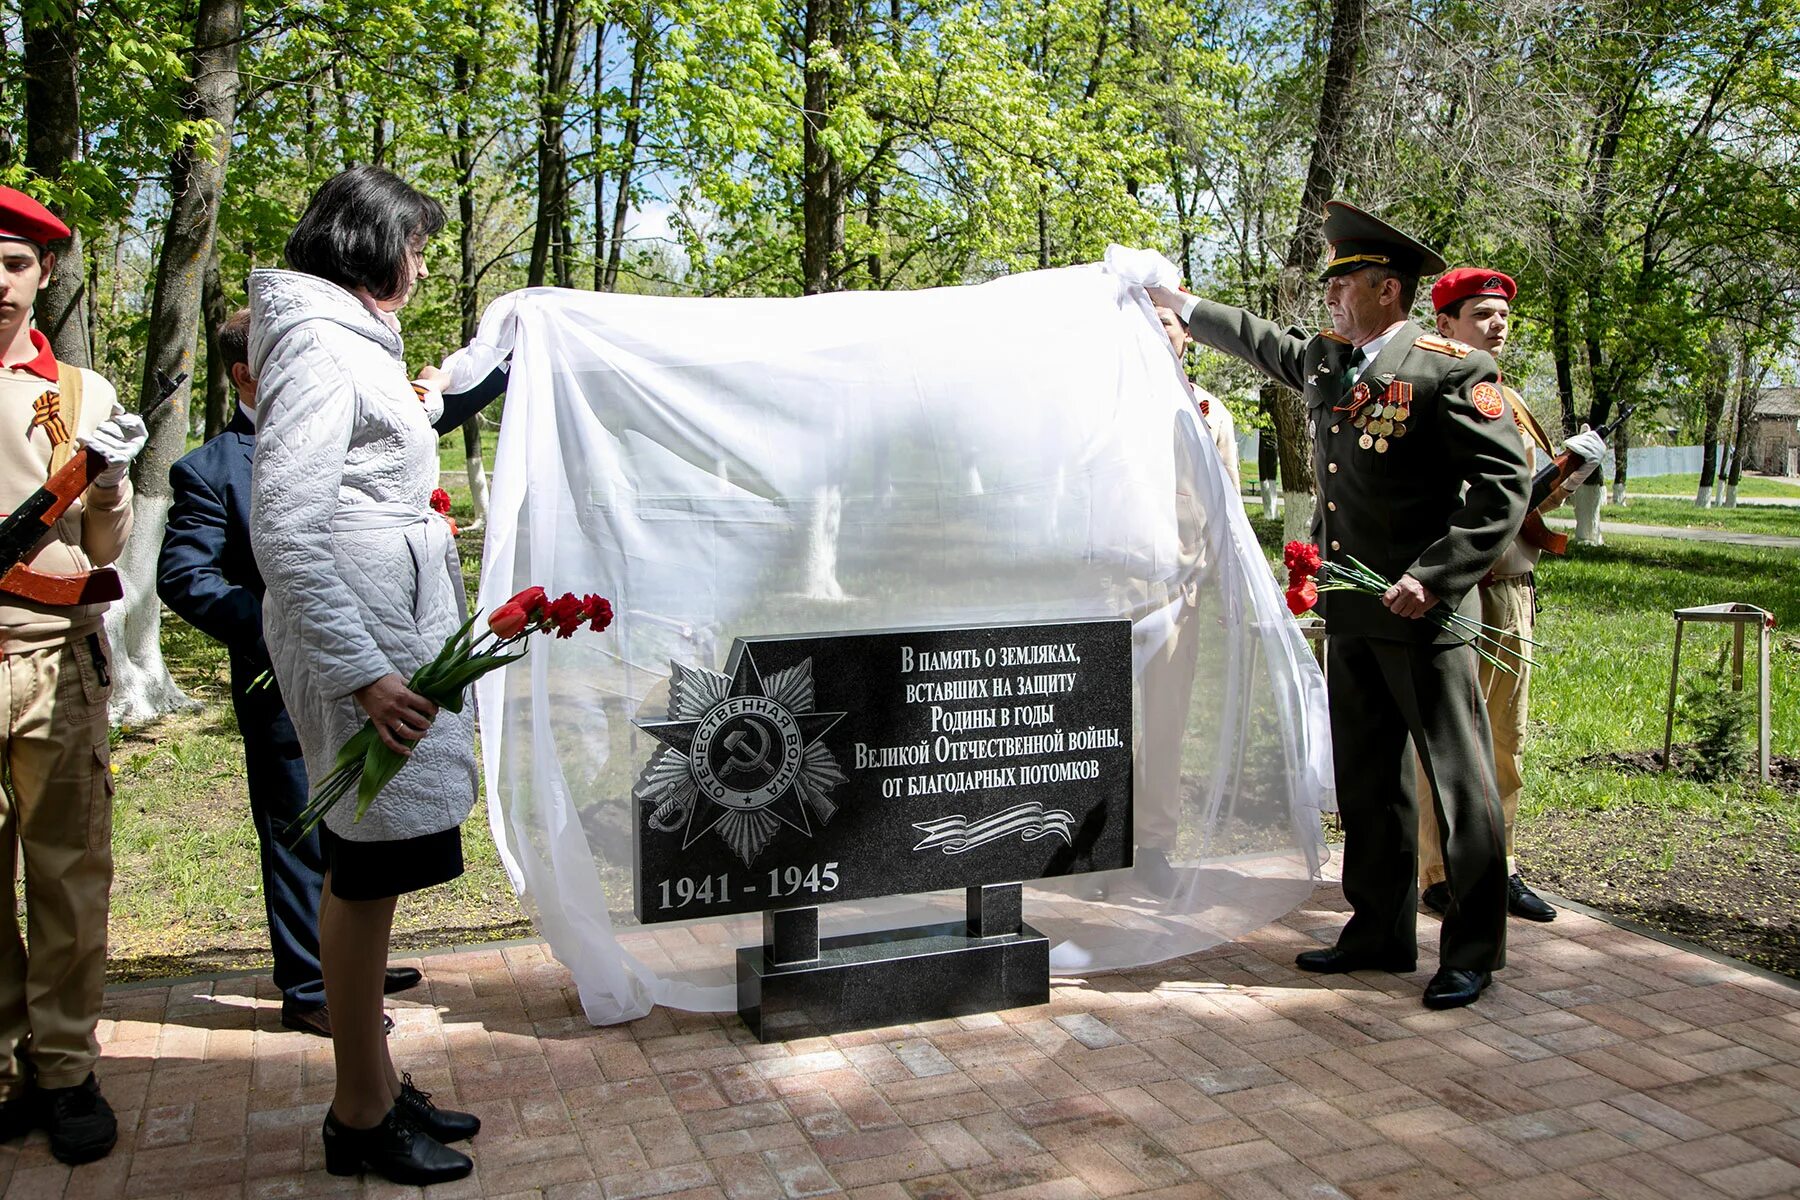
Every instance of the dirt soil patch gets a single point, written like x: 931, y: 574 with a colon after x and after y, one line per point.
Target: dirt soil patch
x: 1727, y: 884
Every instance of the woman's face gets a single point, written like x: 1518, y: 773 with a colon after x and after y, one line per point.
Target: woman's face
x: 415, y: 271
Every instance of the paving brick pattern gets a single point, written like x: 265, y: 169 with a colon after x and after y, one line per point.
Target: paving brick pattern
x: 1602, y: 1064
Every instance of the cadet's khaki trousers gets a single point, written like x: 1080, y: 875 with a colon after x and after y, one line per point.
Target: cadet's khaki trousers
x: 1505, y: 604
x: 56, y: 807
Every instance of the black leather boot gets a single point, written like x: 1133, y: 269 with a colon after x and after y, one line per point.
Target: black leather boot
x: 445, y: 1124
x: 395, y: 1150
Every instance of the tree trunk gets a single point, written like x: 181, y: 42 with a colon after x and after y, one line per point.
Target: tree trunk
x: 52, y: 64
x: 628, y: 146
x: 821, y: 175
x: 220, y: 394
x: 142, y: 688
x: 1330, y: 134
x: 1562, y: 352
x: 468, y: 292
x: 1621, y: 445
x: 1718, y: 386
x: 1749, y: 392
x: 558, y: 34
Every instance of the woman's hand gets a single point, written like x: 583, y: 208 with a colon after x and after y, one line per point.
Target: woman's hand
x: 396, y: 711
x: 433, y: 377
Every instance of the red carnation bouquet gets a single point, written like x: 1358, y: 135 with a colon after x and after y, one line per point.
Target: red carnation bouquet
x: 367, y: 764
x: 1308, y: 575
x: 440, y: 504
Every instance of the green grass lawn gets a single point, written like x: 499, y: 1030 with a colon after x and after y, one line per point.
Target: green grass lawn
x: 1687, y: 485
x: 1682, y: 514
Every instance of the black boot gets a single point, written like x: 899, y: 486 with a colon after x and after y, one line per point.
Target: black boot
x: 394, y: 1150
x: 445, y: 1124
x: 80, y: 1122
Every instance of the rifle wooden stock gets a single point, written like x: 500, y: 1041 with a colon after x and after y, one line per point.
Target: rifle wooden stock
x: 21, y: 533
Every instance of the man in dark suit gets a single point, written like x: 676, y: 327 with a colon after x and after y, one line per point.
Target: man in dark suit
x: 1421, y: 476
x: 208, y: 577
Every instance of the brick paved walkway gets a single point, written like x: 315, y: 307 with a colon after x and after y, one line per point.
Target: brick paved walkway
x: 1603, y: 1064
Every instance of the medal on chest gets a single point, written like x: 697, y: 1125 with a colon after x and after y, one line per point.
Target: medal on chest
x: 1383, y: 418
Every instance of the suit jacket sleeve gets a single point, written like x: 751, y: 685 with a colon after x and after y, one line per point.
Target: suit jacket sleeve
x: 1489, y: 456
x: 462, y: 407
x: 190, y: 575
x: 1276, y: 352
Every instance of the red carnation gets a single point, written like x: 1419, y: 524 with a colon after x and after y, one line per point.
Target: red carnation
x: 509, y: 620
x: 597, y: 611
x: 440, y: 500
x: 1302, y: 558
x: 532, y: 600
x: 1302, y: 596
x: 567, y: 612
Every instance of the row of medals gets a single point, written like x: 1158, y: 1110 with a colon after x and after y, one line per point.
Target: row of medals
x: 1379, y: 423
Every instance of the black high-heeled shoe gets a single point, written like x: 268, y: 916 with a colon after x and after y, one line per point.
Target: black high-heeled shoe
x: 445, y: 1124
x: 396, y: 1150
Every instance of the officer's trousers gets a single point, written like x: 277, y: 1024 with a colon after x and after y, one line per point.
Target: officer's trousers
x: 1382, y: 692
x: 56, y: 809
x: 1505, y: 604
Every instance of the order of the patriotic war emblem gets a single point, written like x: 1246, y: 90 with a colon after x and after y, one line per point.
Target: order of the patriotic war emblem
x: 741, y: 755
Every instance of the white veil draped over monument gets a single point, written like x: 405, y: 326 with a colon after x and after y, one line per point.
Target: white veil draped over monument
x: 1022, y: 450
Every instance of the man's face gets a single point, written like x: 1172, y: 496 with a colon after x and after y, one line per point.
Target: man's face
x: 1482, y: 323
x: 1361, y: 304
x: 1172, y: 326
x: 23, y: 274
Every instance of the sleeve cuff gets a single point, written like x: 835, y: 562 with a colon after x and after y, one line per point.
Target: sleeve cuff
x: 1188, y: 304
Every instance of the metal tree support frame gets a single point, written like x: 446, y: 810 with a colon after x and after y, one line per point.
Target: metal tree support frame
x: 1738, y: 616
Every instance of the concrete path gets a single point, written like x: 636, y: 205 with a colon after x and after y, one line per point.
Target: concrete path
x: 1685, y: 533
x: 1602, y: 1063
x: 1743, y: 501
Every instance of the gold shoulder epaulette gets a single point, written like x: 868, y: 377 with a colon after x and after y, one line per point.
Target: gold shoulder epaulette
x: 1332, y: 335
x: 1444, y: 345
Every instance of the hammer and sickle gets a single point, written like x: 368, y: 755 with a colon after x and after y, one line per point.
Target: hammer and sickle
x: 736, y: 740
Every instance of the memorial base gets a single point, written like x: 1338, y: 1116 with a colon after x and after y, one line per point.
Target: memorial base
x: 893, y: 977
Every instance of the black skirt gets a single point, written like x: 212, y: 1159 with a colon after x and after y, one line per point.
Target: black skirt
x: 378, y: 870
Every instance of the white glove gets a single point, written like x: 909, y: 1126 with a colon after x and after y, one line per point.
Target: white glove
x: 1587, y: 444
x: 118, y: 440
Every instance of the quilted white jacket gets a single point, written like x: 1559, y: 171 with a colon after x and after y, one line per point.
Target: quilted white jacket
x: 362, y: 577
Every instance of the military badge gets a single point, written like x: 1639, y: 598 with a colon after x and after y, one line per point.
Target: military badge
x: 1488, y: 400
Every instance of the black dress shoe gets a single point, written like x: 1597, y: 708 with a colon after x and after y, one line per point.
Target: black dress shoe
x: 1436, y: 898
x: 396, y: 1150
x: 1453, y: 988
x: 399, y: 979
x: 1333, y: 961
x: 317, y: 1021
x: 445, y: 1124
x: 18, y: 1116
x: 80, y: 1122
x: 1521, y: 901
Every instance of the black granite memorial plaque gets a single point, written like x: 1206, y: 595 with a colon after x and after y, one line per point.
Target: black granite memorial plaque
x: 842, y: 767
x: 824, y: 768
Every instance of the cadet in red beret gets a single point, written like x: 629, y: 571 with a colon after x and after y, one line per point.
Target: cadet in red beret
x: 1474, y: 307
x: 56, y: 815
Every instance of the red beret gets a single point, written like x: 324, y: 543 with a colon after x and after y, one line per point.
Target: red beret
x: 1464, y: 282
x: 23, y: 219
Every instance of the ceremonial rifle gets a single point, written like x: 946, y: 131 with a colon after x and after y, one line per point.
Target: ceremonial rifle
x: 21, y: 532
x: 1552, y: 475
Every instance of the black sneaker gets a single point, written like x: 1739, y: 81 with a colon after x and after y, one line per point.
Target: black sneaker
x: 79, y: 1121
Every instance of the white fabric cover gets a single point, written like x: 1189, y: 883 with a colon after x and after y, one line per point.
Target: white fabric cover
x: 362, y: 578
x: 1022, y: 450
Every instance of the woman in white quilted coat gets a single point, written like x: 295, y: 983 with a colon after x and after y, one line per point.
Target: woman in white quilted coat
x: 363, y: 588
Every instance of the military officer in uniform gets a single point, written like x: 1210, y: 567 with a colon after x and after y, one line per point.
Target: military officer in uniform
x: 1474, y: 306
x: 56, y: 806
x: 1421, y: 476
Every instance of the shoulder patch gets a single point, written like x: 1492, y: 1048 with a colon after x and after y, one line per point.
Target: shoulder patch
x: 1444, y: 345
x: 1332, y: 335
x: 1488, y: 400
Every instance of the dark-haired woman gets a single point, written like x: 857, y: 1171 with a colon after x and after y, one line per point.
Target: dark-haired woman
x: 363, y: 587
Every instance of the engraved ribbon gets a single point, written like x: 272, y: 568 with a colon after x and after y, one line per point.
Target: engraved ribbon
x: 955, y: 834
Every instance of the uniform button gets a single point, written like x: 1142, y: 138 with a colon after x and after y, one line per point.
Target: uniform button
x: 1334, y: 545
x: 1332, y: 468
x: 1334, y: 429
x: 1331, y: 505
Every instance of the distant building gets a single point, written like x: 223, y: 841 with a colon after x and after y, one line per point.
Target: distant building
x: 1775, y: 438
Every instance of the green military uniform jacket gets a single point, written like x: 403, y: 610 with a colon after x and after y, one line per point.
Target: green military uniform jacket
x: 1440, y: 502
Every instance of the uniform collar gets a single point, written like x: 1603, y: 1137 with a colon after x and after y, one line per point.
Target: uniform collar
x: 44, y: 365
x: 1374, y: 346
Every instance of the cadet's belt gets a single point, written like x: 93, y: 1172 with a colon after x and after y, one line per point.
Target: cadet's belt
x: 1490, y: 579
